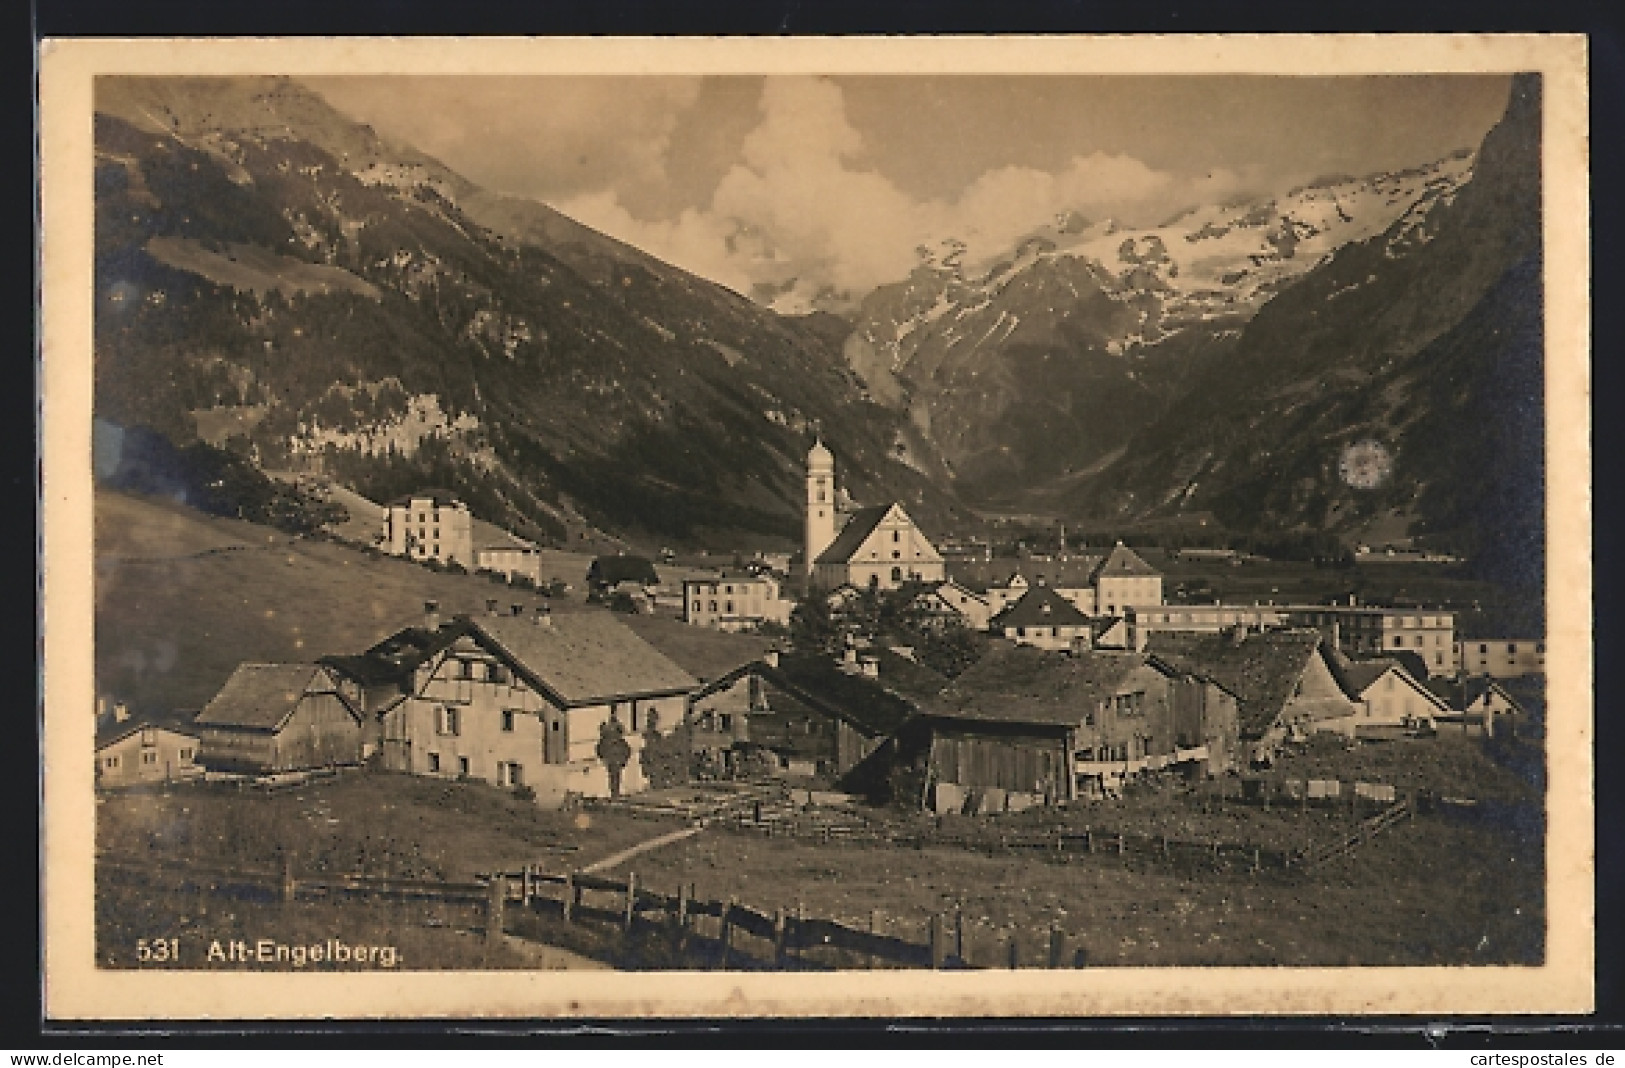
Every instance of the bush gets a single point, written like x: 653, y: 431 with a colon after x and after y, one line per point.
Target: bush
x: 524, y: 793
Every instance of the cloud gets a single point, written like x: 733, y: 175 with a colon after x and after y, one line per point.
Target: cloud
x: 803, y: 216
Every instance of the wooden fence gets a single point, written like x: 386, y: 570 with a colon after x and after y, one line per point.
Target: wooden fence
x: 730, y: 934
x: 1060, y: 846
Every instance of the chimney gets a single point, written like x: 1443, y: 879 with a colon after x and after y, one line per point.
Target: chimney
x: 121, y: 712
x: 491, y: 606
x: 1337, y: 635
x: 870, y: 666
x: 431, y: 615
x: 543, y: 616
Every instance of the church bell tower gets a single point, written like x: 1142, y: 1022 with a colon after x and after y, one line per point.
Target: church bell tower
x: 820, y: 502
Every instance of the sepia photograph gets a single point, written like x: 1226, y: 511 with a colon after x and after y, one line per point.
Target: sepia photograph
x: 777, y: 529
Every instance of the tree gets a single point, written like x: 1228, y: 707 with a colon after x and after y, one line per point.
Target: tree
x: 615, y: 751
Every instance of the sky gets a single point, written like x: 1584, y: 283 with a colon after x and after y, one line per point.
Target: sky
x: 805, y: 191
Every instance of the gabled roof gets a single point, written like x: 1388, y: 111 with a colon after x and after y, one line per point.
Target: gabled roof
x: 1262, y: 671
x: 852, y: 536
x: 263, y: 696
x: 610, y: 570
x: 1021, y: 684
x: 111, y: 729
x: 1123, y: 562
x: 1041, y: 606
x: 703, y: 652
x: 583, y: 657
x: 1459, y: 695
x: 1358, y: 676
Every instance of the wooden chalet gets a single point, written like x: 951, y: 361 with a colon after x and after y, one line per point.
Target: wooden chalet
x: 521, y: 701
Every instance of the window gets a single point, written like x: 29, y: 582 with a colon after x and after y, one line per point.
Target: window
x: 1021, y: 632
x: 149, y: 736
x: 434, y: 762
x: 895, y: 555
x: 507, y: 719
x: 496, y: 673
x: 446, y: 720
x: 897, y: 574
x: 1483, y: 649
x: 634, y: 717
x: 1399, y: 640
x: 896, y: 536
x: 728, y: 606
x: 713, y: 606
x: 186, y: 755
x: 110, y: 762
x: 149, y: 757
x: 465, y: 669
x: 462, y: 766
x: 1512, y: 648
x: 725, y: 721
x: 1419, y: 641
x: 510, y: 774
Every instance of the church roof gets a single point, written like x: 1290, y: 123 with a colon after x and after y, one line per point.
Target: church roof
x: 819, y: 456
x: 1123, y: 562
x: 854, y: 534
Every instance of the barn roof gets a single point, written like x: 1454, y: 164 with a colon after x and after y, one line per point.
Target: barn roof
x: 1041, y: 606
x: 1123, y: 562
x: 875, y: 706
x: 263, y: 696
x: 1262, y: 671
x: 852, y: 536
x: 1021, y: 684
x: 584, y: 657
x: 1358, y: 675
x: 703, y: 652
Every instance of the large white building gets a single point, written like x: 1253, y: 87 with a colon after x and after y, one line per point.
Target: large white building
x: 735, y: 602
x: 430, y: 525
x: 879, y: 547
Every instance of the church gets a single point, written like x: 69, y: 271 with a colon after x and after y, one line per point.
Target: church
x: 878, y: 547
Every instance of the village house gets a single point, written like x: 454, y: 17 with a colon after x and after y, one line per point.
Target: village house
x: 1284, y: 681
x: 1144, y: 621
x: 430, y: 525
x: 875, y: 548
x: 512, y: 559
x: 1477, y: 705
x: 524, y: 701
x: 734, y: 602
x: 1045, y: 619
x: 607, y: 573
x: 1027, y: 726
x: 1117, y: 583
x: 1393, y: 699
x: 271, y: 718
x: 809, y: 714
x: 1502, y: 658
x: 134, y: 748
x: 951, y: 604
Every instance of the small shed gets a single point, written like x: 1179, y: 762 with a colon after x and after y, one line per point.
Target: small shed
x: 280, y: 717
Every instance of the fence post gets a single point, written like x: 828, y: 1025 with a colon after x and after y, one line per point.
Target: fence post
x: 780, y: 932
x: 1057, y: 946
x: 631, y: 899
x: 495, y: 898
x: 937, y: 938
x: 874, y: 928
x: 959, y: 935
x: 726, y: 937
x: 1120, y: 843
x: 682, y: 915
x: 801, y: 926
x: 1089, y: 839
x: 525, y: 885
x: 1015, y: 947
x: 290, y: 886
x: 570, y: 895
x: 1257, y: 860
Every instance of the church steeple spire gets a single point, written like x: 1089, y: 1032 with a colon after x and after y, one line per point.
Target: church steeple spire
x: 820, y: 501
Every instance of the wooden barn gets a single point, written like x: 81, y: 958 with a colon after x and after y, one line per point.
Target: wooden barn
x: 1027, y: 726
x: 280, y: 717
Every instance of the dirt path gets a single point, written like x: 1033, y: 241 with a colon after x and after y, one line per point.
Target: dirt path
x: 617, y: 859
